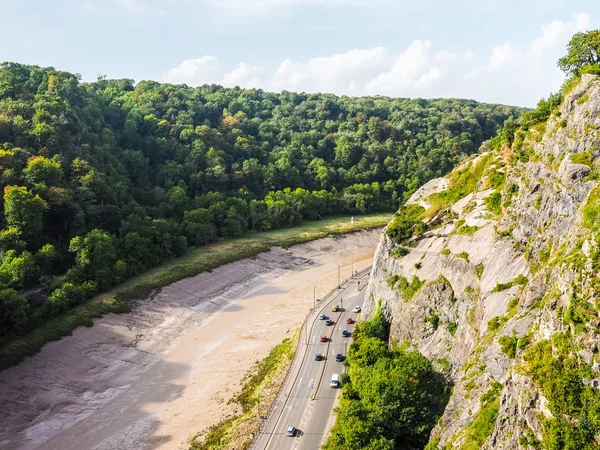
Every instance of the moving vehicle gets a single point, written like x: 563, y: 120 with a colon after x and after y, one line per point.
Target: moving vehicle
x: 356, y: 309
x: 345, y: 333
x: 323, y: 317
x: 335, y: 308
x: 339, y: 357
x: 323, y: 338
x: 329, y: 322
x: 349, y: 320
x: 335, y: 381
x: 318, y: 357
x: 291, y: 431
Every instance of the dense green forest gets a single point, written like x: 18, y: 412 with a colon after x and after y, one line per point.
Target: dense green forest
x: 104, y: 180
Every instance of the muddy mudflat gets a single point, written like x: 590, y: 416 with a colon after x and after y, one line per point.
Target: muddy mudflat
x: 154, y: 377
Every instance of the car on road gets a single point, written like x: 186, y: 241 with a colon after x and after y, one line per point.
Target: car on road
x: 339, y: 357
x: 291, y: 431
x: 323, y: 338
x: 318, y: 357
x: 345, y: 333
x: 323, y: 317
x: 349, y: 320
x: 335, y: 308
x: 356, y: 309
x: 335, y: 381
x: 329, y: 322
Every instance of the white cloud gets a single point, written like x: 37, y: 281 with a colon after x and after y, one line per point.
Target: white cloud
x: 499, y: 57
x: 414, y: 69
x: 526, y: 61
x: 514, y: 72
x: 195, y: 71
x: 246, y: 75
x: 355, y: 72
x: 557, y: 31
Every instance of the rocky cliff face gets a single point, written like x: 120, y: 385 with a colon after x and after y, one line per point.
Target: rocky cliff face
x: 502, y: 281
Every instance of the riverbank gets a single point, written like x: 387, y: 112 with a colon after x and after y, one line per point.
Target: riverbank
x: 154, y: 377
x: 195, y: 261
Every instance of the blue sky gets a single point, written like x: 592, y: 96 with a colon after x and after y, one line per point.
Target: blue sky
x: 496, y: 51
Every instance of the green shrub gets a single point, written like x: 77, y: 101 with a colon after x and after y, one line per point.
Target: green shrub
x: 495, y: 323
x: 467, y: 230
x: 477, y: 432
x: 494, y: 203
x: 578, y: 313
x: 583, y: 99
x: 521, y: 280
x: 434, y: 320
x: 502, y: 286
x: 452, y: 327
x: 479, y: 270
x: 591, y: 210
x: 406, y: 224
x: 508, y: 345
x: 463, y: 255
x: 583, y: 158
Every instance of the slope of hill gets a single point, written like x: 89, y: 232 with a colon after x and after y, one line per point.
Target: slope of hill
x: 104, y: 180
x: 492, y: 272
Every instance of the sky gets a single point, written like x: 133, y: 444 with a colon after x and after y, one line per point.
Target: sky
x: 501, y: 51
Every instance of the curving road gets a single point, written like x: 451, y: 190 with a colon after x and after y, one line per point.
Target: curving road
x: 311, y: 378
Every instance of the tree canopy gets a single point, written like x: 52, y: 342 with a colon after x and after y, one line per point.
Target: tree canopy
x: 583, y: 50
x: 104, y: 180
x: 392, y: 397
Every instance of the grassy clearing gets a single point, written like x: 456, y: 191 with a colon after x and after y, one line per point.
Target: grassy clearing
x: 263, y: 380
x: 195, y: 261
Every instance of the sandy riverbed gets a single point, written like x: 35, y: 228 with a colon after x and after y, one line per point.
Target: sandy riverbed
x: 154, y: 377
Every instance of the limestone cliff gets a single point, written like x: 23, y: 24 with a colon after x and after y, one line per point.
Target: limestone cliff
x: 493, y: 277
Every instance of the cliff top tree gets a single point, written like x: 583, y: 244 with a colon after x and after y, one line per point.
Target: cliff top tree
x: 583, y: 50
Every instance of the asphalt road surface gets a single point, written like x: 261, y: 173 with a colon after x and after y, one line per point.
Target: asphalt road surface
x: 312, y: 417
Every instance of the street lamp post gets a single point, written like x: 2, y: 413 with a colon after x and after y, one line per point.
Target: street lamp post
x: 345, y: 352
x: 306, y: 327
x: 339, y: 269
x: 258, y: 414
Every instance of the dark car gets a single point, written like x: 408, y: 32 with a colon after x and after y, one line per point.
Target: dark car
x: 291, y: 431
x: 345, y: 333
x: 339, y: 357
x: 318, y: 357
x: 329, y: 322
x: 323, y: 338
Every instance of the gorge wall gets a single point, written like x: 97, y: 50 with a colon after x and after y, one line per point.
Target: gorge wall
x: 495, y: 282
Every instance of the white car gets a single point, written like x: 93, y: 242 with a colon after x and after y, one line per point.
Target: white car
x: 356, y: 309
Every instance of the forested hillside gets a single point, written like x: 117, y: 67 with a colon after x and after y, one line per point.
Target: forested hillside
x: 106, y: 179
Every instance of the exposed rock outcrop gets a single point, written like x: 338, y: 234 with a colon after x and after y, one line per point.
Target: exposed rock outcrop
x: 507, y: 259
